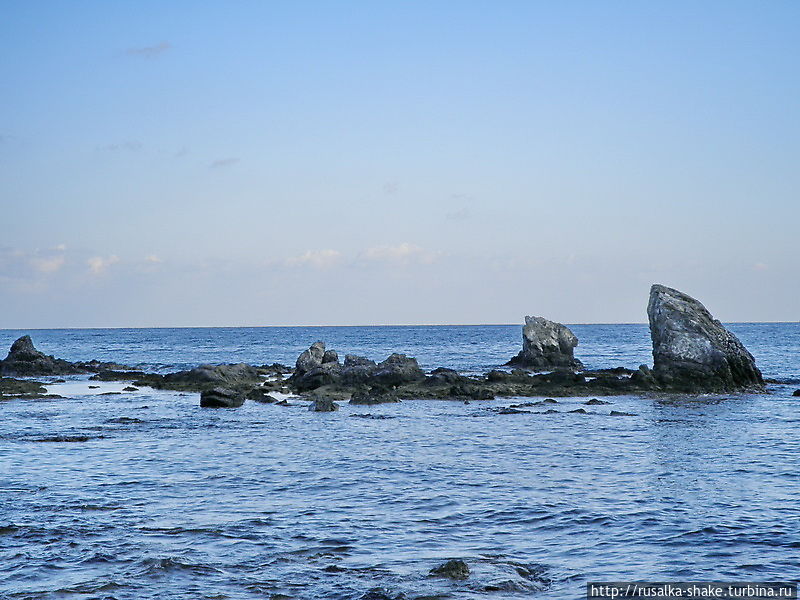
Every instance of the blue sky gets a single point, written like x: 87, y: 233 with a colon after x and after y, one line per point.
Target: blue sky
x: 270, y: 163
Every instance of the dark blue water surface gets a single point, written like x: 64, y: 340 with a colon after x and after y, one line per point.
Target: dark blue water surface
x: 168, y: 500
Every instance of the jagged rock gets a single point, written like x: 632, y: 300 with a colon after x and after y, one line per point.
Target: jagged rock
x: 397, y: 370
x: 275, y: 369
x: 474, y: 392
x: 692, y: 351
x: 796, y: 393
x: 323, y: 404
x: 24, y: 359
x: 113, y: 375
x: 546, y: 345
x: 351, y: 360
x: 644, y: 377
x: 220, y: 397
x: 313, y: 371
x: 373, y: 396
x: 259, y: 394
x: 452, y: 569
x: 96, y: 366
x: 310, y: 359
x: 443, y: 375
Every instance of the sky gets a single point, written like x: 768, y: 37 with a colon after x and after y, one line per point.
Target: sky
x: 400, y: 162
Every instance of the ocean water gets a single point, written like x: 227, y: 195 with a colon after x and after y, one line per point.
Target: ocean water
x: 166, y: 500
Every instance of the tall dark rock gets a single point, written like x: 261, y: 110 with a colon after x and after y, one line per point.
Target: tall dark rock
x: 692, y: 351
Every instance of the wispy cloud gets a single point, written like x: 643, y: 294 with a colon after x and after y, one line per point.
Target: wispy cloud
x: 22, y: 264
x: 319, y: 259
x: 390, y: 188
x: 149, y: 51
x: 221, y: 163
x: 99, y: 264
x: 153, y: 259
x: 404, y: 253
x: 124, y: 146
x: 48, y: 265
x: 459, y: 214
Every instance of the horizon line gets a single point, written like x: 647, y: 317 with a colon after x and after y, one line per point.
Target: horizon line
x: 80, y: 328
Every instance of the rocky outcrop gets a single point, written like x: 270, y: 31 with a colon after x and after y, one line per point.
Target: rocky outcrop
x: 310, y: 359
x: 10, y: 387
x: 24, y: 359
x: 546, y: 345
x: 692, y: 351
x: 220, y: 397
x: 204, y: 377
x: 317, y: 367
x: 373, y: 396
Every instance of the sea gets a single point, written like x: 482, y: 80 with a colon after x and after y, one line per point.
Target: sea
x: 106, y: 494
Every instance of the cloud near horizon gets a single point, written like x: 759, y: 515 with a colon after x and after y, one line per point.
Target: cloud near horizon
x: 404, y: 253
x: 319, y: 259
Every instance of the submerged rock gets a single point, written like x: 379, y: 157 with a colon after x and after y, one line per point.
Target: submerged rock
x: 220, y: 397
x: 546, y: 345
x: 259, y: 394
x: 323, y: 404
x: 452, y: 569
x: 796, y: 393
x: 380, y: 593
x: 21, y: 387
x: 692, y: 351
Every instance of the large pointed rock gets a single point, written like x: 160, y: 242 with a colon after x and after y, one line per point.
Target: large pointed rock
x: 692, y: 351
x: 24, y: 359
x: 546, y: 345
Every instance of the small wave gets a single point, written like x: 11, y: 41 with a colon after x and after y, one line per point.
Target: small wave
x: 155, y: 566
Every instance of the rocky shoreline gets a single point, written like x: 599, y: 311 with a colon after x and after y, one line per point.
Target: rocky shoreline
x: 693, y: 353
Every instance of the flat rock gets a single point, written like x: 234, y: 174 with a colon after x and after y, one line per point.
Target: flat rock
x: 220, y: 397
x: 19, y: 387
